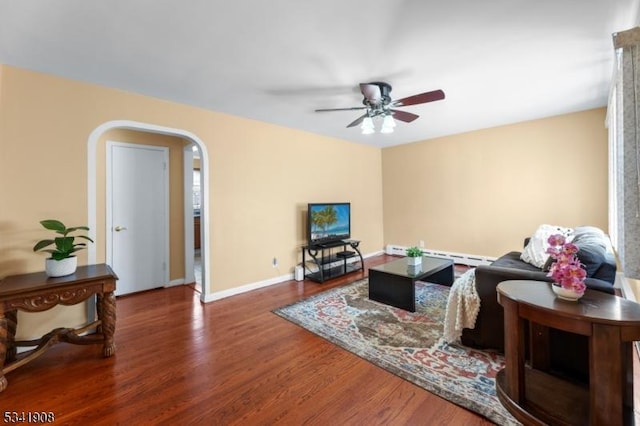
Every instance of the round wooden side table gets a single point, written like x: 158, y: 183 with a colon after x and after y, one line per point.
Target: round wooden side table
x: 528, y: 389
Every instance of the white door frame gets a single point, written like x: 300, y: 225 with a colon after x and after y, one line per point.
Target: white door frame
x: 189, y: 242
x: 92, y: 144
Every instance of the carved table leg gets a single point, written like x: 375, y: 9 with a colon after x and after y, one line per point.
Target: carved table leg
x: 12, y: 325
x: 4, y: 334
x: 99, y: 311
x: 107, y: 313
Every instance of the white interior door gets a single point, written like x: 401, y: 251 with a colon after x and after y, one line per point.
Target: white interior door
x: 137, y: 215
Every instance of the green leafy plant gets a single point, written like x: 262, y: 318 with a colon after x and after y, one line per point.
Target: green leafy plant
x: 414, y: 252
x: 65, y: 245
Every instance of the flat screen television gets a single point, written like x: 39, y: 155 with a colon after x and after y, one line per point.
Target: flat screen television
x: 328, y: 222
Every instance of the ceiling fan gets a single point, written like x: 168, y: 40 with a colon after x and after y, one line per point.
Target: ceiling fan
x: 378, y: 103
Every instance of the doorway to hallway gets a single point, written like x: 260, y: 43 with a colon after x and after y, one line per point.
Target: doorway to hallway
x: 96, y: 220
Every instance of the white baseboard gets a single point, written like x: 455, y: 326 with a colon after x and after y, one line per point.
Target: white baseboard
x: 260, y: 284
x: 460, y: 258
x: 245, y: 288
x: 173, y: 283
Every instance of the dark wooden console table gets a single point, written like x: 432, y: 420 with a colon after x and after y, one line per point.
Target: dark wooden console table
x: 534, y: 395
x: 36, y: 292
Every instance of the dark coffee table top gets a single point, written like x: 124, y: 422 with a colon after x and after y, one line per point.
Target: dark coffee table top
x: 429, y: 266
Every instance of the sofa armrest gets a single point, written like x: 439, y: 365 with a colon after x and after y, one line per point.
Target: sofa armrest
x: 488, y: 277
x: 488, y: 332
x: 600, y: 285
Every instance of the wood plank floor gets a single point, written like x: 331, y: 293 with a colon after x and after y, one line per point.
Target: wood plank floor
x: 228, y: 362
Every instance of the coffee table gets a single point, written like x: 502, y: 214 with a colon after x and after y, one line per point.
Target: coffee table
x: 393, y: 283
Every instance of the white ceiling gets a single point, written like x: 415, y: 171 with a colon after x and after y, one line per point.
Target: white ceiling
x: 498, y: 61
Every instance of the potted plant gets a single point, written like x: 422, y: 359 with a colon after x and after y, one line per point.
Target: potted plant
x: 414, y: 256
x: 62, y: 261
x: 566, y: 270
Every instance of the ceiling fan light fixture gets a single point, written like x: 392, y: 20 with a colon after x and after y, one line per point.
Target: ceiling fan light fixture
x: 367, y: 126
x: 388, y: 123
x: 378, y: 103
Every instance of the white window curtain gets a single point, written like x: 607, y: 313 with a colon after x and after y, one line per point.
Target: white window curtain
x: 624, y: 149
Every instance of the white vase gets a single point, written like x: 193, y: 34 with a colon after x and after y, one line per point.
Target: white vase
x: 414, y: 260
x: 566, y: 293
x: 413, y: 270
x: 60, y: 268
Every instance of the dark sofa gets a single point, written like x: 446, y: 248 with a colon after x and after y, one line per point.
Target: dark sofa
x: 599, y: 260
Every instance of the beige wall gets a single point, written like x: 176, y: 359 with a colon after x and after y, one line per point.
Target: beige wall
x: 483, y: 192
x: 260, y: 176
x: 477, y: 193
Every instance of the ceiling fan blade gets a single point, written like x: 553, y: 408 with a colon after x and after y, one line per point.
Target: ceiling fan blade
x: 405, y: 116
x: 357, y: 121
x: 422, y: 98
x: 340, y: 109
x: 371, y: 92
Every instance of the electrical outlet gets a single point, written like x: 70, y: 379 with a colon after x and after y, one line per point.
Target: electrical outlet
x: 274, y: 262
x: 421, y: 243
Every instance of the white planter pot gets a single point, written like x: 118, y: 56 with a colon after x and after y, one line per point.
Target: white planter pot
x: 413, y: 270
x: 60, y: 268
x: 565, y: 293
x: 414, y: 260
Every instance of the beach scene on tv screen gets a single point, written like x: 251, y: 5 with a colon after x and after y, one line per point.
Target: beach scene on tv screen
x: 329, y: 220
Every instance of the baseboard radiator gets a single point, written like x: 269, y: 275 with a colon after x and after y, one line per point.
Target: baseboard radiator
x: 459, y: 258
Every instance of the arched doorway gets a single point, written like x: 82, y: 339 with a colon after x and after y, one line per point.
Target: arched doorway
x: 92, y: 189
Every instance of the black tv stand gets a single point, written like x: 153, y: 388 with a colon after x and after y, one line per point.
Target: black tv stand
x: 331, y: 259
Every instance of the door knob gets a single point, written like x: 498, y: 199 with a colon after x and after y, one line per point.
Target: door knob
x: 119, y: 228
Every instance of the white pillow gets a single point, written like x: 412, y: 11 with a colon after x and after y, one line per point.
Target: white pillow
x: 535, y: 253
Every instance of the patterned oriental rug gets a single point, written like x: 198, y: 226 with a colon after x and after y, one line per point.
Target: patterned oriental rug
x: 407, y: 344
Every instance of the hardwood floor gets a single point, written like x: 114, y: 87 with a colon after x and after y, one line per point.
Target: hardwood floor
x: 228, y: 362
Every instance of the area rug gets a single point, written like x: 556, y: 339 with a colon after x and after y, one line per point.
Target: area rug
x: 407, y: 344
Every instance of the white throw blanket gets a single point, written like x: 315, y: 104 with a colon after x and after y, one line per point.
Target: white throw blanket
x: 462, y: 307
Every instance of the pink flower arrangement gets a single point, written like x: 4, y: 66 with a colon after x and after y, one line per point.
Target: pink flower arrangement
x: 567, y: 271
